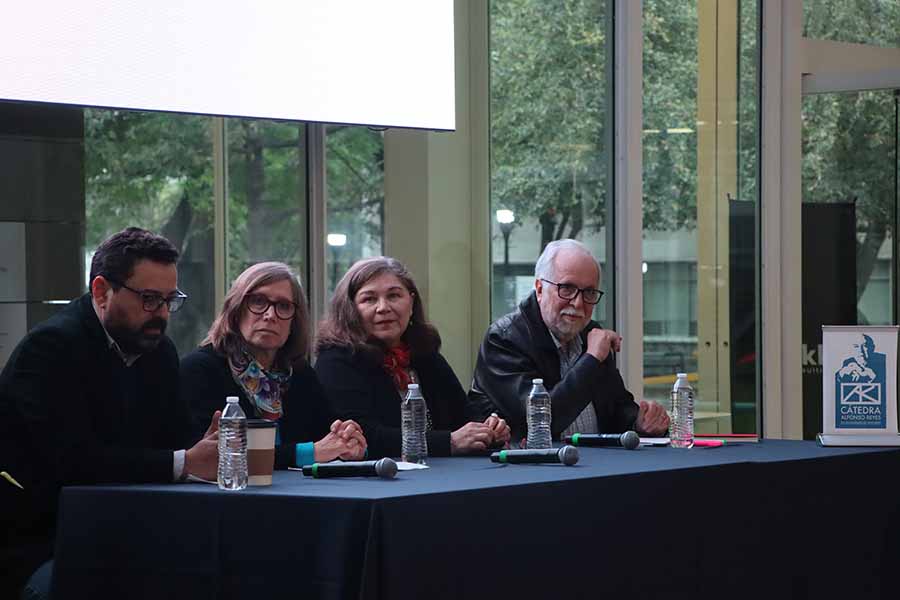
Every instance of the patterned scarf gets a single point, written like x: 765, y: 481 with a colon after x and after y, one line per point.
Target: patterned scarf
x: 263, y: 388
x: 396, y: 363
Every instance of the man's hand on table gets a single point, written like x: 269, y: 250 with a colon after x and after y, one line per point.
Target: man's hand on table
x: 500, y: 430
x: 202, y: 460
x: 652, y: 419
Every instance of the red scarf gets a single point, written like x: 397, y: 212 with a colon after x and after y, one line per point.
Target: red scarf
x: 396, y: 363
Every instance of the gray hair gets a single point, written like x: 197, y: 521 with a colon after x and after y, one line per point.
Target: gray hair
x: 543, y: 269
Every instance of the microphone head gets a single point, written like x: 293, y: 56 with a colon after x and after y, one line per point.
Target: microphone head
x: 568, y: 455
x: 386, y: 468
x: 630, y: 440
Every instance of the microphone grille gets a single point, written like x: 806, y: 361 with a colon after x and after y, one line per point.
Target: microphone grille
x: 631, y: 440
x: 568, y: 455
x: 386, y: 468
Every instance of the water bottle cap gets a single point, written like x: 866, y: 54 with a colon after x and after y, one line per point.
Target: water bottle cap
x: 537, y: 381
x: 412, y: 386
x: 231, y: 399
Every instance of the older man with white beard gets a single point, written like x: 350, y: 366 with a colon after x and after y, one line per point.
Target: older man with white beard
x: 551, y: 336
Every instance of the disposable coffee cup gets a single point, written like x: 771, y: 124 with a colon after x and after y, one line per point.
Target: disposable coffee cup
x: 260, y: 451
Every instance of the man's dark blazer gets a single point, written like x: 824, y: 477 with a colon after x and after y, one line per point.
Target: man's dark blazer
x: 206, y: 381
x: 518, y: 348
x: 362, y: 390
x: 70, y: 413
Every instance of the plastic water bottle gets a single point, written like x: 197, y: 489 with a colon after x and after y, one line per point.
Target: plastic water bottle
x: 414, y: 422
x: 232, y: 473
x: 681, y: 429
x: 539, y: 417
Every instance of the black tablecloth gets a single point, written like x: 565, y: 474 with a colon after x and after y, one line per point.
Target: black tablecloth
x: 774, y: 519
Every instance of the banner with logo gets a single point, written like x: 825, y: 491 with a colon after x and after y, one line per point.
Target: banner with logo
x: 859, y: 380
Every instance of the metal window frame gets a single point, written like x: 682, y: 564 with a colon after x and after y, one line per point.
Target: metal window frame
x: 628, y: 188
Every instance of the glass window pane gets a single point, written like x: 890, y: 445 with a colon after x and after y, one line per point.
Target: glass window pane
x: 355, y: 201
x: 154, y: 170
x: 875, y: 22
x: 850, y: 170
x: 266, y: 194
x: 549, y: 139
x: 849, y: 157
x: 670, y: 189
x: 701, y: 167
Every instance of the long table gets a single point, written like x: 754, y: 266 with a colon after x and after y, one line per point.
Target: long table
x: 768, y: 520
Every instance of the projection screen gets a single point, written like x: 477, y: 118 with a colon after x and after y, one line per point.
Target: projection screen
x: 384, y: 63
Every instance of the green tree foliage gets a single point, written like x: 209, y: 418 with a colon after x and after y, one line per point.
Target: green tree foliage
x: 748, y: 100
x: 670, y: 103
x: 140, y: 167
x: 355, y: 180
x: 154, y: 170
x: 549, y: 104
x: 848, y: 156
x: 266, y: 194
x: 875, y: 22
x: 848, y: 139
x: 549, y: 112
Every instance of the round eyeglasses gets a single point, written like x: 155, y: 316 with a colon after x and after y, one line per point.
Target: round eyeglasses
x: 259, y: 304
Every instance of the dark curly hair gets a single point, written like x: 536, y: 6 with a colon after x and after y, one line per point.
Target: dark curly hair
x: 116, y: 256
x: 343, y: 326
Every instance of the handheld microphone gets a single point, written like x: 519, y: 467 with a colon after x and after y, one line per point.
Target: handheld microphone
x: 567, y: 455
x: 385, y: 468
x: 628, y: 440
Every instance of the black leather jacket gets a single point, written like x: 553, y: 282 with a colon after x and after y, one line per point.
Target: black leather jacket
x: 518, y: 348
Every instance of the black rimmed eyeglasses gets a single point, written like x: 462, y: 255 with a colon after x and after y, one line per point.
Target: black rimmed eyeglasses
x: 259, y: 304
x: 153, y: 301
x: 567, y: 291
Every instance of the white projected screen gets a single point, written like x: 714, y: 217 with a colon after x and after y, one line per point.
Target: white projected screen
x: 387, y: 63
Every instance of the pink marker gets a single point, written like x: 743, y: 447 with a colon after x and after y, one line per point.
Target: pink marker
x: 708, y: 443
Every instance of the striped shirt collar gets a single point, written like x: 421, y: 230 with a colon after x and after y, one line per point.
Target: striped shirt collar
x: 586, y: 421
x: 568, y: 353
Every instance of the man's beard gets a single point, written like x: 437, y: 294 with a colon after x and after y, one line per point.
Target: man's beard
x: 136, y: 341
x: 567, y: 330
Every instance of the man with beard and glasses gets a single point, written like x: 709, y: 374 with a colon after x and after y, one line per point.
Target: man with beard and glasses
x: 551, y: 336
x: 91, y: 396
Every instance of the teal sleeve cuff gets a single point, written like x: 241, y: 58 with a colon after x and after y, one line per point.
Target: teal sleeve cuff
x: 305, y: 454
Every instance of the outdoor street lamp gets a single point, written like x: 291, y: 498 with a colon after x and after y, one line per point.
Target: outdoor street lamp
x: 506, y: 218
x: 336, y: 241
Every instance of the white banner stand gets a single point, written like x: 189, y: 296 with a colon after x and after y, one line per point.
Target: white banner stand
x: 859, y: 386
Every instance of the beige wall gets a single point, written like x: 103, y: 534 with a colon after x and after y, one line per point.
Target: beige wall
x: 436, y: 202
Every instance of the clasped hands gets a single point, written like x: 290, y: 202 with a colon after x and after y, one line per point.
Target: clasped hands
x: 345, y: 440
x: 478, y: 437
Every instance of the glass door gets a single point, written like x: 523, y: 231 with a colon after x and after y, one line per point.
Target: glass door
x: 701, y: 169
x: 849, y: 221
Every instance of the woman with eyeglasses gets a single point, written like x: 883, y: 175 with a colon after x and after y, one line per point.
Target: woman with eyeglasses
x: 257, y: 349
x: 373, y: 344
